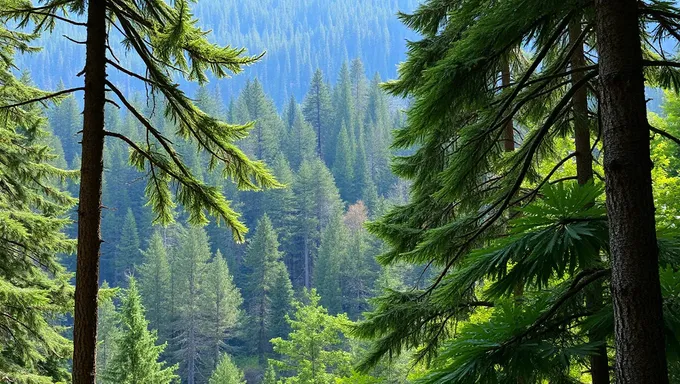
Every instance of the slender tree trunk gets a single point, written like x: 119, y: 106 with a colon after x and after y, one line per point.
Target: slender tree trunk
x: 89, y: 208
x: 636, y: 292
x: 599, y: 364
x: 509, y: 129
x: 306, y: 261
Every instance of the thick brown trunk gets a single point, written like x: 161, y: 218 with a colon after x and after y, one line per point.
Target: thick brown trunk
x: 636, y: 292
x: 599, y: 364
x: 89, y: 208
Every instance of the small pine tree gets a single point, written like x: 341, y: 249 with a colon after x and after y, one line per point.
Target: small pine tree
x: 226, y: 372
x: 318, y: 112
x: 135, y: 358
x: 108, y: 328
x: 219, y: 308
x: 269, y: 375
x: 313, y: 351
x: 127, y: 250
x: 264, y: 270
x: 329, y: 264
x: 154, y: 276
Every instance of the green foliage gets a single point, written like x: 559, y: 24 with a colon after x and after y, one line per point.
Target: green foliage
x: 226, y: 372
x: 333, y: 257
x: 313, y: 352
x: 220, y: 302
x: 34, y: 287
x: 167, y: 40
x: 317, y: 110
x: 268, y: 292
x: 135, y: 357
x: 127, y: 249
x: 108, y: 329
x: 154, y: 278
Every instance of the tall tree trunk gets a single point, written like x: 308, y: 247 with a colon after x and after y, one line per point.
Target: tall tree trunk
x: 89, y: 208
x: 599, y: 364
x: 636, y: 292
x: 509, y: 129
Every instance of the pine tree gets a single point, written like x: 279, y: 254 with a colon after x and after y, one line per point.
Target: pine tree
x: 154, y: 277
x: 264, y: 273
x: 220, y: 301
x: 313, y: 350
x: 318, y: 110
x: 34, y: 287
x: 168, y: 42
x: 332, y: 260
x: 316, y: 202
x: 269, y: 375
x: 128, y: 253
x: 192, y: 255
x: 226, y: 372
x: 301, y: 141
x: 278, y: 203
x: 135, y: 357
x: 66, y: 122
x: 108, y: 326
x: 357, y: 75
x: 344, y: 165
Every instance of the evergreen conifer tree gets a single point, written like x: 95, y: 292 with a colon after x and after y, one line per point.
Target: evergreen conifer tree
x: 220, y: 309
x: 317, y: 109
x: 136, y: 355
x: 330, y: 264
x: 128, y: 254
x: 109, y: 328
x: 193, y: 253
x: 226, y: 372
x: 154, y: 278
x: 265, y: 272
x: 34, y: 287
x: 313, y: 350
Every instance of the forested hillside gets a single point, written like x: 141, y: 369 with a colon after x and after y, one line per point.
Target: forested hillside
x: 298, y: 36
x: 201, y: 288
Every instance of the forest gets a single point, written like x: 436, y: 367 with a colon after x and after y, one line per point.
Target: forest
x: 339, y: 192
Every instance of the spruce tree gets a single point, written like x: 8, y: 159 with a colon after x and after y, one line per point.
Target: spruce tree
x: 34, y: 287
x: 313, y: 351
x: 109, y: 328
x: 264, y: 273
x: 167, y: 40
x: 317, y: 200
x: 220, y: 309
x: 226, y: 372
x: 333, y: 258
x: 154, y: 278
x: 128, y: 254
x: 344, y: 165
x: 318, y: 111
x: 300, y: 141
x: 193, y: 253
x: 135, y: 357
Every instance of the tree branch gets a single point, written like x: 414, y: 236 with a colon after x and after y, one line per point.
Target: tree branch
x: 43, y: 98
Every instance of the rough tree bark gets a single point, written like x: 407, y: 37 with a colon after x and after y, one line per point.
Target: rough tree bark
x: 89, y: 208
x: 636, y: 293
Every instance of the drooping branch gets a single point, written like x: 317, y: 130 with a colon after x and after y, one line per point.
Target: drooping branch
x: 43, y: 98
x: 147, y: 125
x: 580, y: 282
x: 505, y: 202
